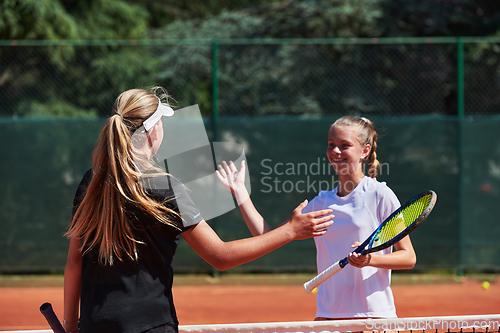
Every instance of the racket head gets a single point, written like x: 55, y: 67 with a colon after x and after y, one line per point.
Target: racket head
x: 402, y: 221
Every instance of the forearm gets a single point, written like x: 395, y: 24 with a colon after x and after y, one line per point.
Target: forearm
x: 225, y: 255
x: 71, y: 300
x: 203, y: 239
x: 254, y: 221
x: 401, y: 259
x: 249, y: 249
x: 234, y: 181
x: 72, y: 284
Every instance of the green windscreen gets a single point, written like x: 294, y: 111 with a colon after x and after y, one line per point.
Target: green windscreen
x: 43, y: 162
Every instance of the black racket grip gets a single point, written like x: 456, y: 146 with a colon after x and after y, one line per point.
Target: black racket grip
x: 49, y: 314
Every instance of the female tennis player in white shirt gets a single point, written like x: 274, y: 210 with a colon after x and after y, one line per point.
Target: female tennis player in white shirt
x: 360, y: 203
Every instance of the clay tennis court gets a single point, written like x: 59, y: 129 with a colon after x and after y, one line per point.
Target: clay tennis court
x: 205, y: 300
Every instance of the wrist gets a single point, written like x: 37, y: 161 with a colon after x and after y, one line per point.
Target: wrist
x: 241, y: 194
x: 289, y: 231
x: 370, y: 259
x: 71, y: 329
x: 71, y: 326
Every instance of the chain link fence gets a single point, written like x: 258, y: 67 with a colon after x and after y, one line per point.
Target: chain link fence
x: 242, y: 78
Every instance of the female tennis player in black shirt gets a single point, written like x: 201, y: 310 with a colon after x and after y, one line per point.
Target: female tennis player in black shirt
x: 124, y: 232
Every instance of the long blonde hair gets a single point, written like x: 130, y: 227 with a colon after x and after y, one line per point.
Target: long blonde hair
x: 101, y: 221
x: 366, y: 135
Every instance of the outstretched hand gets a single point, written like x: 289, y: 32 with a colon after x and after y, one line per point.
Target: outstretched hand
x: 311, y: 224
x: 230, y: 177
x: 233, y: 180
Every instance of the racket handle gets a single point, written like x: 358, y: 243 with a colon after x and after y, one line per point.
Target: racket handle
x: 325, y: 275
x: 54, y: 323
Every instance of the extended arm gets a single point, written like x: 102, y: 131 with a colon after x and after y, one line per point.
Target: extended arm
x: 224, y: 255
x: 72, y: 284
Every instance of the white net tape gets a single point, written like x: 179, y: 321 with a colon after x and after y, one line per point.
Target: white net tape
x: 476, y: 323
x: 453, y: 323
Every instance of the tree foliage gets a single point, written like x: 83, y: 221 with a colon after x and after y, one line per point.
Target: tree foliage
x: 44, y: 81
x: 326, y: 79
x: 432, y: 18
x: 267, y: 79
x: 33, y: 19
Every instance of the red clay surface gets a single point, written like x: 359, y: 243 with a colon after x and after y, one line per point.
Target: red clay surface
x: 210, y: 304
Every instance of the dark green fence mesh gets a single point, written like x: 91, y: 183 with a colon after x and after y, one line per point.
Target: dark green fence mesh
x: 44, y: 161
x: 378, y: 77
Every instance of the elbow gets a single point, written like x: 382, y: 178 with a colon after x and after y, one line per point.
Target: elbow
x: 74, y: 261
x: 222, y: 268
x: 73, y: 266
x: 218, y: 258
x: 411, y: 262
x: 410, y: 266
x: 221, y: 265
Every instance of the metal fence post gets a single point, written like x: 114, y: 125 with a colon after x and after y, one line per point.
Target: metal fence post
x: 215, y: 80
x: 461, y: 174
x: 460, y: 78
x: 215, y: 117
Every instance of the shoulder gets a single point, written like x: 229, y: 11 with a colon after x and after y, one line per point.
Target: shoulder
x: 378, y: 189
x: 84, y: 184
x: 385, y: 192
x: 82, y: 187
x: 381, y: 197
x: 172, y: 190
x: 162, y: 186
x: 326, y: 196
x: 87, y: 177
x: 321, y: 201
x: 371, y: 183
x: 379, y: 193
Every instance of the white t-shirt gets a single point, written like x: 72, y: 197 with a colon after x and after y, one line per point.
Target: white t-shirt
x: 354, y: 292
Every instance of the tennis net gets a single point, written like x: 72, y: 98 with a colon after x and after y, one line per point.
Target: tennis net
x: 451, y: 324
x: 478, y: 323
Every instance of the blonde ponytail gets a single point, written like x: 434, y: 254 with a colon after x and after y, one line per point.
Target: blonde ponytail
x: 101, y: 221
x: 371, y: 160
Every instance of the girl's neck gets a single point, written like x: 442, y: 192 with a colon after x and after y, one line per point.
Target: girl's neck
x: 347, y: 183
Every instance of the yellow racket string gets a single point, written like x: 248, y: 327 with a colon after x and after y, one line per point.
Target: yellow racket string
x: 401, y: 221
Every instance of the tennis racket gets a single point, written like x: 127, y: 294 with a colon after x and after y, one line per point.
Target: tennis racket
x: 49, y: 314
x: 399, y: 224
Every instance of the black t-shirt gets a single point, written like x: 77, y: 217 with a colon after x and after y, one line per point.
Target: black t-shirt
x: 134, y: 296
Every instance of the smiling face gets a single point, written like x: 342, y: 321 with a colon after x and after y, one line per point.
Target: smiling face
x: 345, y: 152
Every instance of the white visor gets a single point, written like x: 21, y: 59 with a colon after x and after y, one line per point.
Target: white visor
x: 187, y: 155
x: 162, y: 110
